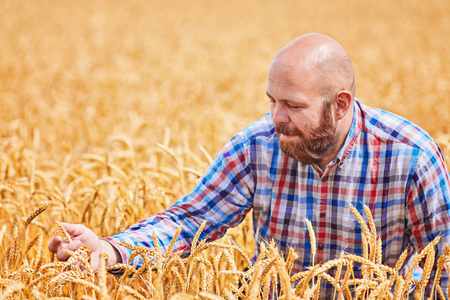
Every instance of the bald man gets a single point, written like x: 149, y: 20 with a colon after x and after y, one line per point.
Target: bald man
x: 318, y: 150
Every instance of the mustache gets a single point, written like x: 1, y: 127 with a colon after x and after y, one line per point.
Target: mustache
x: 283, y: 129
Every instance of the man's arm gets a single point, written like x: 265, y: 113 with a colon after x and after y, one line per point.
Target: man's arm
x: 222, y: 198
x: 428, y: 204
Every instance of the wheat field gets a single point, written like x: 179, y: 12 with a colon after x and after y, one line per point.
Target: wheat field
x: 111, y: 110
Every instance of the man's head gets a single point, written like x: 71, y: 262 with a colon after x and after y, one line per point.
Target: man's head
x: 311, y: 86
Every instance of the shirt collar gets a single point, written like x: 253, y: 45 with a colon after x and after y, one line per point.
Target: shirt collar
x: 352, y: 135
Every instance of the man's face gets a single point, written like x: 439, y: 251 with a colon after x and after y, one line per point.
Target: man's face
x: 304, y: 119
x: 309, y: 144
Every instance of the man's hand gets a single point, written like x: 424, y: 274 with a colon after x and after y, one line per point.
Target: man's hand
x: 81, y: 235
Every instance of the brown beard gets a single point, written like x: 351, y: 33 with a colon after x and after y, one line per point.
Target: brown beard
x: 314, y: 144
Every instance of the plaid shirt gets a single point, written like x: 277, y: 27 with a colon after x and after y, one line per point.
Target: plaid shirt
x: 387, y: 163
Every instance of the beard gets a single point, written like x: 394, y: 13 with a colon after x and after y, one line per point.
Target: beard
x: 315, y: 144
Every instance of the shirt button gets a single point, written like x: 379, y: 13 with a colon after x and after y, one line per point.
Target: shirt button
x: 320, y: 247
x: 322, y: 215
x: 324, y: 178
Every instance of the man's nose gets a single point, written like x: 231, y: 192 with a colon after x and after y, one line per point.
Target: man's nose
x: 279, y: 115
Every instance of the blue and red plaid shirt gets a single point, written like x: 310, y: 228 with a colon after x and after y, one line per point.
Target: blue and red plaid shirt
x: 387, y: 163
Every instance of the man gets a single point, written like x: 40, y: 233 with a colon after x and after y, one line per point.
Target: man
x: 318, y: 150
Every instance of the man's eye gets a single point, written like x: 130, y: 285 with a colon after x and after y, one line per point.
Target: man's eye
x: 293, y: 106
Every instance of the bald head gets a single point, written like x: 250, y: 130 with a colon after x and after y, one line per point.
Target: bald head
x: 319, y: 61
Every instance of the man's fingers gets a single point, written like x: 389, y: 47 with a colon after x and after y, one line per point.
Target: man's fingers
x: 55, y: 244
x: 74, y: 229
x: 61, y: 255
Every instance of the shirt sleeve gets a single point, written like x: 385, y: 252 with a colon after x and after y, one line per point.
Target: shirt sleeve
x: 428, y: 205
x: 222, y: 197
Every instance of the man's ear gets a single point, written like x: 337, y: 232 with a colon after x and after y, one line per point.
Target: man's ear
x: 343, y: 103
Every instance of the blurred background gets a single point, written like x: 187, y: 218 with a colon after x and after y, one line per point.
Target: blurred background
x: 74, y: 74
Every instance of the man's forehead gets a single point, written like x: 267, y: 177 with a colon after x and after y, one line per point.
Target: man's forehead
x: 290, y: 81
